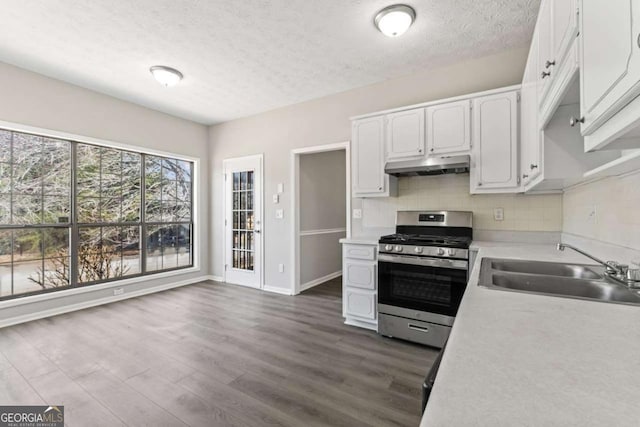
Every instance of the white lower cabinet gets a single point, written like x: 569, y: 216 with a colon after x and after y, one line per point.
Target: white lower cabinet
x: 360, y: 284
x: 361, y: 304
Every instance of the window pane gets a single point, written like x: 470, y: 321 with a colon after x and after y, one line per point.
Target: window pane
x: 169, y: 248
x: 27, y: 245
x: 28, y: 277
x: 131, y: 262
x: 5, y: 178
x: 56, y: 210
x: 56, y: 242
x: 57, y: 167
x: 184, y: 245
x: 88, y: 210
x: 5, y: 209
x: 111, y: 163
x: 169, y: 168
x: 5, y: 279
x: 5, y: 146
x: 56, y: 272
x: 236, y: 180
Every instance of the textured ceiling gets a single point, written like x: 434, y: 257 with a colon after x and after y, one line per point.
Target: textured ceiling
x: 242, y: 57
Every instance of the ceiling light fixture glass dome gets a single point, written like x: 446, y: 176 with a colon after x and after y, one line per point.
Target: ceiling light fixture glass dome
x: 166, y: 76
x: 395, y: 20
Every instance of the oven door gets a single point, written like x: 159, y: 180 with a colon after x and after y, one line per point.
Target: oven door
x: 431, y: 285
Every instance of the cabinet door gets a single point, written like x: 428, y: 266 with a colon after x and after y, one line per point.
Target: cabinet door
x: 360, y: 274
x: 610, y: 59
x: 495, y: 148
x: 405, y: 134
x: 530, y: 135
x: 565, y: 27
x: 368, y: 156
x: 448, y: 128
x: 545, y: 53
x: 360, y: 303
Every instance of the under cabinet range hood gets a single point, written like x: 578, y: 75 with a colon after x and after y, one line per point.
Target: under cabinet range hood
x: 432, y: 165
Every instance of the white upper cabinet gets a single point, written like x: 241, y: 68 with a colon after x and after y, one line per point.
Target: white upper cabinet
x: 610, y: 59
x: 405, y: 134
x: 449, y: 128
x: 494, y: 161
x: 530, y: 134
x: 369, y: 179
x: 564, y: 28
x: 545, y: 49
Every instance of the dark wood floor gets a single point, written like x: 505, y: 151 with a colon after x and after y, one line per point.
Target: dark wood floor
x: 214, y: 355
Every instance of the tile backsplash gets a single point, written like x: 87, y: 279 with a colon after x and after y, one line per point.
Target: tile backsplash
x: 451, y: 192
x: 607, y: 211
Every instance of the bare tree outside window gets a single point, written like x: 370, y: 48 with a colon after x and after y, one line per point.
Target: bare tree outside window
x: 42, y: 247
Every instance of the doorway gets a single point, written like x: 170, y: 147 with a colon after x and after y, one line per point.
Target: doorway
x: 321, y: 202
x: 243, y: 248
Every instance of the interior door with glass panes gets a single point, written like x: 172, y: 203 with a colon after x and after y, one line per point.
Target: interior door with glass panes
x: 243, y: 207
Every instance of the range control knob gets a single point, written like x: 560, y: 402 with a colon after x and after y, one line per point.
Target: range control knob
x: 388, y: 248
x: 398, y: 248
x: 451, y: 252
x: 440, y: 251
x: 418, y: 250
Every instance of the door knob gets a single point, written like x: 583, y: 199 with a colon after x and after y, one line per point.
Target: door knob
x: 549, y: 63
x: 532, y: 166
x: 431, y: 150
x: 574, y: 121
x: 525, y: 176
x: 546, y: 74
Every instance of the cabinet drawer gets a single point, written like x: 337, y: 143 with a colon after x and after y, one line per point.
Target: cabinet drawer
x: 367, y: 252
x: 361, y: 303
x: 360, y: 274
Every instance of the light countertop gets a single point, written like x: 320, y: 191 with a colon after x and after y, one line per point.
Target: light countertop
x: 516, y: 359
x: 361, y: 240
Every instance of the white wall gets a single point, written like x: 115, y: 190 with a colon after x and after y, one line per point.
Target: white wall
x: 325, y: 121
x: 32, y: 99
x: 322, y: 207
x: 605, y: 211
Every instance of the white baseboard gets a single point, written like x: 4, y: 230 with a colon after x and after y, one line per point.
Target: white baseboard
x: 216, y: 278
x: 93, y: 303
x: 275, y: 290
x: 320, y: 280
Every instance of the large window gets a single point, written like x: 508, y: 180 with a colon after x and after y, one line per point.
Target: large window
x: 71, y: 214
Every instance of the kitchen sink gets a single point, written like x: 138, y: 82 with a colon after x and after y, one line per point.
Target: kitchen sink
x: 555, y: 279
x: 549, y: 268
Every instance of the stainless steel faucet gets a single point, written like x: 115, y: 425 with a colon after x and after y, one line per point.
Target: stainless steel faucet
x: 614, y: 270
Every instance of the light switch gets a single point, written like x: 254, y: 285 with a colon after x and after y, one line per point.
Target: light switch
x: 279, y: 213
x: 357, y: 214
x: 276, y: 199
x: 280, y: 188
x: 498, y: 214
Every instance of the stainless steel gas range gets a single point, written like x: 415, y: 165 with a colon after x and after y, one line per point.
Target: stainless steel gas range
x: 422, y: 275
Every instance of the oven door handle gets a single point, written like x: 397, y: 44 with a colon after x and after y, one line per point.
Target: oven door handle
x: 455, y: 264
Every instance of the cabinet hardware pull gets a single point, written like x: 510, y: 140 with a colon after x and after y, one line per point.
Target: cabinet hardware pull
x: 532, y: 166
x: 574, y: 121
x: 479, y: 184
x: 431, y: 150
x: 525, y: 176
x: 379, y: 188
x: 549, y: 63
x: 420, y: 150
x: 546, y: 74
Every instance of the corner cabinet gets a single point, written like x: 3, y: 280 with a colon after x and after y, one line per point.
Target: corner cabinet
x: 449, y: 128
x: 405, y: 134
x: 494, y: 159
x: 368, y: 158
x: 360, y: 284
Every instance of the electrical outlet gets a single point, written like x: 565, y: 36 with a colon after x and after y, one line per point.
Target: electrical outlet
x: 118, y: 291
x: 276, y: 199
x: 357, y: 214
x: 281, y: 268
x: 279, y: 213
x: 498, y: 214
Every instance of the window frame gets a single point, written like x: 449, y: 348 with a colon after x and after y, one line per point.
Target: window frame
x: 75, y: 286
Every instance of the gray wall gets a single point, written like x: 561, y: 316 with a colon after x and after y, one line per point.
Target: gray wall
x: 325, y: 121
x: 32, y: 99
x: 322, y: 207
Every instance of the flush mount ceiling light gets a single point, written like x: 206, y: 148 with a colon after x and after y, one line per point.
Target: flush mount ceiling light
x: 166, y: 76
x: 395, y: 20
